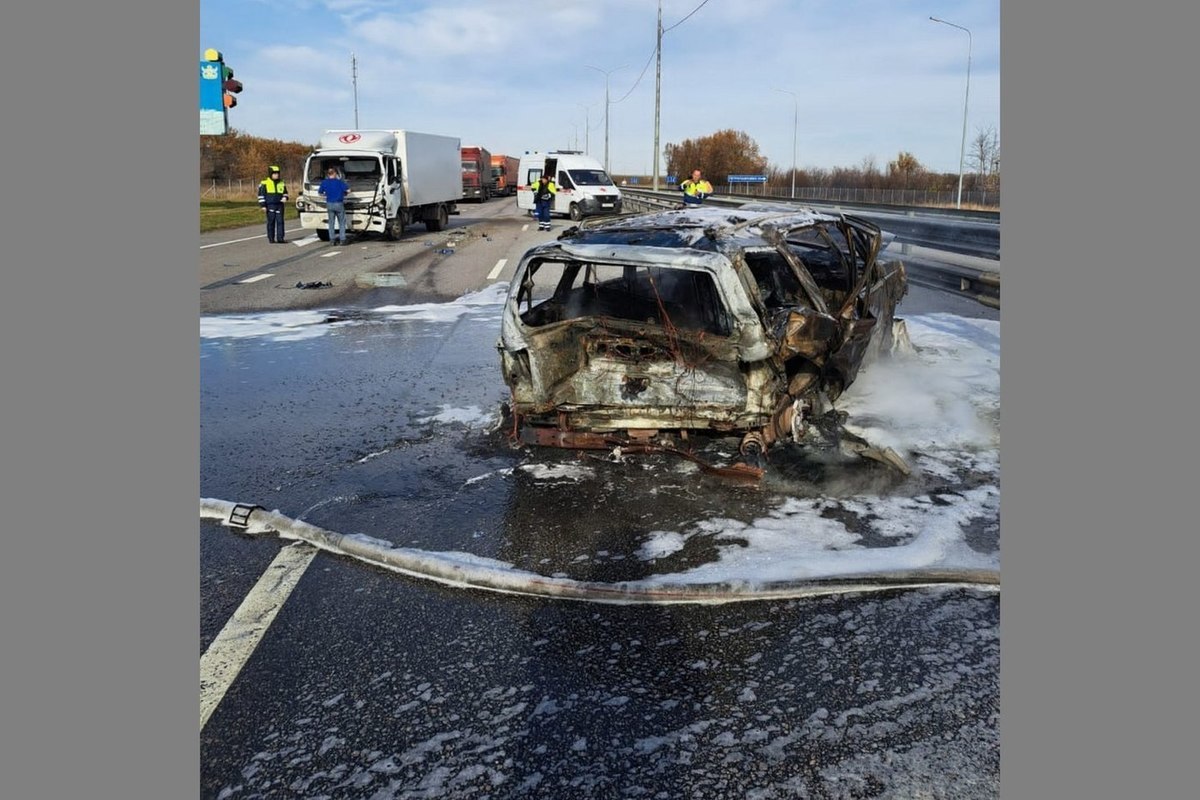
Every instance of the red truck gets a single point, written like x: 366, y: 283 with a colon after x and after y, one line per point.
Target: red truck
x: 477, y: 174
x: 504, y: 175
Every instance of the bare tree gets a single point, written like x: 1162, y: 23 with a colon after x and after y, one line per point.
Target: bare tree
x: 984, y: 155
x: 871, y: 176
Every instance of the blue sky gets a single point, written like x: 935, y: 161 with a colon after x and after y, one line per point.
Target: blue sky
x: 870, y: 77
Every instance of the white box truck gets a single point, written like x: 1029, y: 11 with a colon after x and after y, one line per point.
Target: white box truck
x: 584, y: 188
x: 396, y: 177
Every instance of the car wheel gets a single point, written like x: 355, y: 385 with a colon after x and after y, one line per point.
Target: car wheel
x: 576, y: 212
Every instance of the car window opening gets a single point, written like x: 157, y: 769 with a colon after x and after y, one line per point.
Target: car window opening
x: 675, y: 300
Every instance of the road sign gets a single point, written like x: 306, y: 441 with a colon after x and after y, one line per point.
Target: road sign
x: 747, y: 179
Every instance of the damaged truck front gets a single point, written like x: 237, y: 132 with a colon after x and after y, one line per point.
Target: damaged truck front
x: 640, y: 330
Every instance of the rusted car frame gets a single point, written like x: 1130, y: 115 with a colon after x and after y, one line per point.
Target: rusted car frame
x: 639, y: 330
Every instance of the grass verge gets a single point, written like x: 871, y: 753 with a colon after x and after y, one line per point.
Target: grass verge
x: 216, y: 215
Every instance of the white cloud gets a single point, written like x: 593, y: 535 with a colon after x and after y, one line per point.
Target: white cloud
x: 875, y: 77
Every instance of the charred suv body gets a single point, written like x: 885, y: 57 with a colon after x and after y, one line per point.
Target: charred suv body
x: 731, y: 321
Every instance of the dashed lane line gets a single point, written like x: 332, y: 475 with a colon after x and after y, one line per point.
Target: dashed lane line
x: 230, y: 651
x: 259, y: 277
x: 495, y: 273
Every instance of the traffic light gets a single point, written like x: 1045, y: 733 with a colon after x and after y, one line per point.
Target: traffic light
x: 231, y: 86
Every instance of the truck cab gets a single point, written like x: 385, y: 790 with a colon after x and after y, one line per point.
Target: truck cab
x: 504, y: 175
x: 476, y: 174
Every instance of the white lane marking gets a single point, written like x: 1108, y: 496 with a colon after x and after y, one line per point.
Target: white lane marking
x: 525, y: 227
x: 495, y: 273
x: 330, y: 253
x: 230, y: 651
x: 246, y: 239
x: 259, y: 277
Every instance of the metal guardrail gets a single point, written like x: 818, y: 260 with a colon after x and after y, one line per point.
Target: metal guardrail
x: 981, y: 286
x: 955, y: 235
x: 970, y: 235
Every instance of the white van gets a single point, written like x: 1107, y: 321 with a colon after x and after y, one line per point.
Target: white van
x: 584, y: 188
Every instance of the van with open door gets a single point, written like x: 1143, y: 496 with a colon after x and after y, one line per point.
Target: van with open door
x: 584, y: 188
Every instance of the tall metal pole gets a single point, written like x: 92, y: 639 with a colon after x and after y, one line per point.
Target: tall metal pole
x: 606, y: 116
x: 587, y: 128
x: 795, y: 127
x: 962, y: 148
x: 657, y: 91
x: 607, y: 105
x: 354, y: 79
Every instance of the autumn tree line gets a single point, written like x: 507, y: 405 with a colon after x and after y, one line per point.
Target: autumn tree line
x: 238, y: 156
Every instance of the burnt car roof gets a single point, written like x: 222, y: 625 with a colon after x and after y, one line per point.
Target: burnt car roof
x: 711, y: 229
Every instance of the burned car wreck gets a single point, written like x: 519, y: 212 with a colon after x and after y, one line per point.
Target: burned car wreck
x: 642, y: 331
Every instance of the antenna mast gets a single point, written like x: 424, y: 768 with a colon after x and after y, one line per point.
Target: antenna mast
x: 354, y: 80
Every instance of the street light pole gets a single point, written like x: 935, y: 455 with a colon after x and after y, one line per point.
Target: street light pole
x: 606, y: 107
x: 962, y: 148
x: 657, y: 90
x: 795, y: 127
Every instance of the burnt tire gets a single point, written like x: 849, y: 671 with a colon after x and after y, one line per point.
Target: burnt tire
x: 576, y: 212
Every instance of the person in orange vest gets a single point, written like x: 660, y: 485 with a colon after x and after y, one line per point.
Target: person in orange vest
x: 695, y: 189
x: 272, y: 195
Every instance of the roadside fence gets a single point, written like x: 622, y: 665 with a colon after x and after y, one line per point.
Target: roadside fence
x: 898, y: 197
x: 242, y: 188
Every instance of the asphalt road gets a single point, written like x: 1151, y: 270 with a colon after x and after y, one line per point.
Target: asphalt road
x: 240, y: 271
x: 368, y: 683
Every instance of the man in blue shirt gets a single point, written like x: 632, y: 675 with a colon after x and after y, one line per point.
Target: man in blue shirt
x: 334, y: 189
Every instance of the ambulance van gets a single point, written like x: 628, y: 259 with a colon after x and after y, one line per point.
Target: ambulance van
x: 584, y: 188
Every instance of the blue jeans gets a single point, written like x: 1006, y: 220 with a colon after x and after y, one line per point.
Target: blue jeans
x: 336, y: 211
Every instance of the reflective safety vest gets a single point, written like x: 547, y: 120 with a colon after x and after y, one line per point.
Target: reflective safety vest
x: 272, y: 192
x: 691, y: 188
x: 538, y: 189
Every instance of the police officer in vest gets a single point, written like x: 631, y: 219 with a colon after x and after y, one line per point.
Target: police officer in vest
x: 272, y: 195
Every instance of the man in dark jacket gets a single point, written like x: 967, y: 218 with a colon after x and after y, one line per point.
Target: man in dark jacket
x: 272, y: 195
